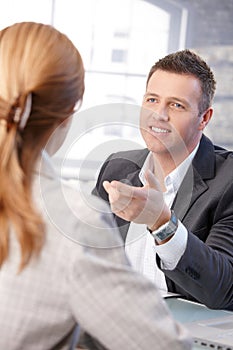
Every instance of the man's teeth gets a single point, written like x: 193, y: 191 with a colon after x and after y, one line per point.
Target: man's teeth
x: 159, y: 130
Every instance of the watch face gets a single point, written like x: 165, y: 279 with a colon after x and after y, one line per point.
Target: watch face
x: 163, y: 235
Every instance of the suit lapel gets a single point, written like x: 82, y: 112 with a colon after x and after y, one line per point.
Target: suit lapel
x: 191, y: 188
x: 193, y: 185
x: 133, y: 177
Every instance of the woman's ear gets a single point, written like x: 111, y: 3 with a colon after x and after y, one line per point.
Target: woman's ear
x: 205, y: 118
x: 58, y: 135
x: 65, y: 123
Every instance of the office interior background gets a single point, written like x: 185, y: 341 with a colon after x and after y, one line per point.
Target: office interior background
x: 119, y: 41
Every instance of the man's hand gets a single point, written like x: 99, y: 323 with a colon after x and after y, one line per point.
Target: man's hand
x: 142, y: 205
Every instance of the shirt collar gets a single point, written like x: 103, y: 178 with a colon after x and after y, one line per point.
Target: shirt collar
x: 148, y: 165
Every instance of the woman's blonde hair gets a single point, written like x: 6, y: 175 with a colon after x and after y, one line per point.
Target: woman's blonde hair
x: 39, y: 62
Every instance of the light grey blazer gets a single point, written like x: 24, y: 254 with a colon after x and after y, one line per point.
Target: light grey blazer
x: 81, y: 276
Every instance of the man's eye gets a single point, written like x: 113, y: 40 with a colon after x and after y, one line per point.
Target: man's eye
x: 177, y: 105
x: 150, y: 99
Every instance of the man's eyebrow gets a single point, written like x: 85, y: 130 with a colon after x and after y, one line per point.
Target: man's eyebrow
x: 179, y: 99
x: 173, y: 98
x: 150, y: 94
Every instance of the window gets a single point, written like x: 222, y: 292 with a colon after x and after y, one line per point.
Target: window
x: 119, y: 56
x: 119, y: 41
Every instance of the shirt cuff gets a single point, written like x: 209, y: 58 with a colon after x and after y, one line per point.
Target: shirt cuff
x: 171, y: 252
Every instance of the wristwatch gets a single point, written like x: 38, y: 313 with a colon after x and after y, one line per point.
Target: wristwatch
x: 167, y: 230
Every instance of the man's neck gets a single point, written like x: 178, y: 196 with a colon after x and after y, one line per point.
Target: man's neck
x: 166, y: 163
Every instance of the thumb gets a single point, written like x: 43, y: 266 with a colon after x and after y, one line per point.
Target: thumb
x: 152, y: 181
x: 107, y: 186
x: 111, y: 191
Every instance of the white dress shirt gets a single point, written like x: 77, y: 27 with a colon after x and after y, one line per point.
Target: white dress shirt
x: 140, y: 245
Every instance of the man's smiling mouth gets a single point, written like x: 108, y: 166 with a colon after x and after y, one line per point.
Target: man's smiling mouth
x: 159, y: 130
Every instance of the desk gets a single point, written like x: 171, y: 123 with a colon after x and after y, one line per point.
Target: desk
x: 187, y: 311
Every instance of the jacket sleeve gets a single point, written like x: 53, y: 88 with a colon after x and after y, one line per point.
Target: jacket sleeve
x: 205, y: 271
x: 115, y: 305
x: 121, y: 309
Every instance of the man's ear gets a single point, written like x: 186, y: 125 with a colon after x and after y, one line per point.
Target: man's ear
x: 205, y: 118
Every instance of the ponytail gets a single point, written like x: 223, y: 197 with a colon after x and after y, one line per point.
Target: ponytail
x: 40, y: 84
x: 16, y: 207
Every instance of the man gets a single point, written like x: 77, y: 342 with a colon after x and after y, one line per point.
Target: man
x: 174, y: 200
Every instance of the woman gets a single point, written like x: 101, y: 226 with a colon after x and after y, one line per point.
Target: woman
x: 49, y: 283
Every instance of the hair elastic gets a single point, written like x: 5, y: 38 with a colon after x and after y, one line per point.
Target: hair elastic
x: 26, y: 113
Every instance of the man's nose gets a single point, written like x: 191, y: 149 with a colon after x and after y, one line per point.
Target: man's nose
x: 160, y: 113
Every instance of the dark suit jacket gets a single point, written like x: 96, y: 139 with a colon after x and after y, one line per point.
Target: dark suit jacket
x: 204, y: 204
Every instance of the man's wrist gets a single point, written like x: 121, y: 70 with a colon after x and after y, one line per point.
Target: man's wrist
x: 165, y: 231
x: 163, y: 219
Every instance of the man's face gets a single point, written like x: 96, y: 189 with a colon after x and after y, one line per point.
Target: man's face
x: 170, y: 121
